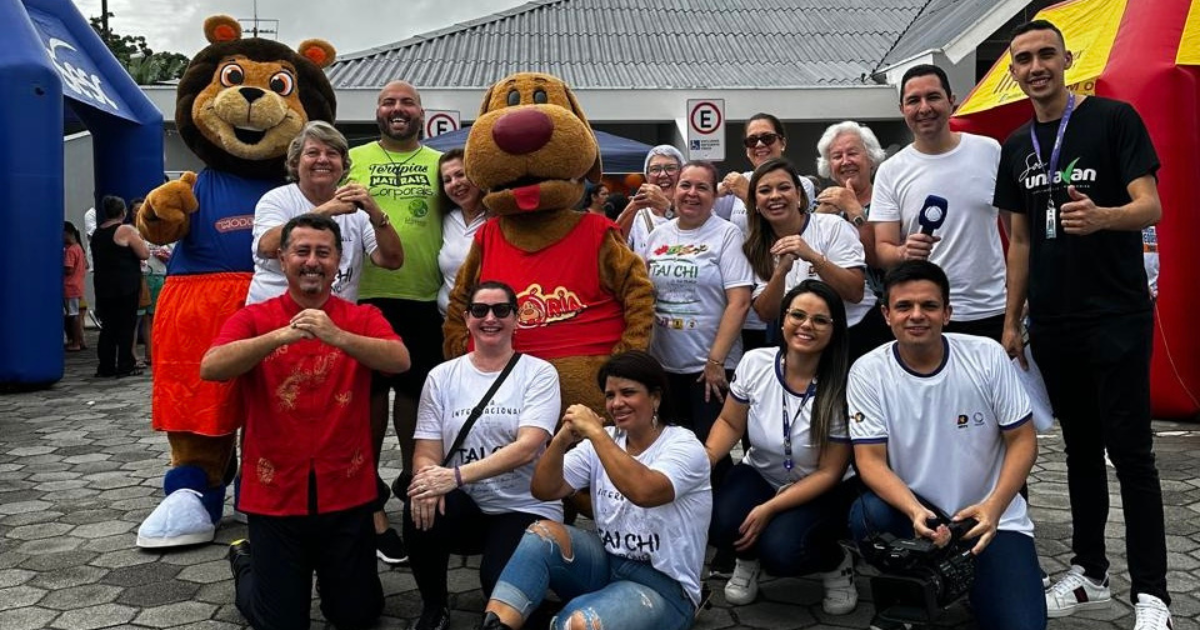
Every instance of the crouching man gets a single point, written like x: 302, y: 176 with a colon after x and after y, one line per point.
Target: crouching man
x: 940, y: 421
x: 308, y: 475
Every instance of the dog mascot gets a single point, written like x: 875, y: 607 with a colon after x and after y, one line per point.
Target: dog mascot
x: 582, y: 294
x: 239, y: 104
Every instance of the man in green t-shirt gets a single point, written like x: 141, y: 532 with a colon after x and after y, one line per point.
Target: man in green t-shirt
x: 401, y: 175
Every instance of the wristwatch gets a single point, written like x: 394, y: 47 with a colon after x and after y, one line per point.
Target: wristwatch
x: 859, y: 221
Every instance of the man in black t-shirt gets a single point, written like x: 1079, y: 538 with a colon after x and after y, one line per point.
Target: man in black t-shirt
x: 1080, y: 182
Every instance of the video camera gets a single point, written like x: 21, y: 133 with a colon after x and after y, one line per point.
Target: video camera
x: 918, y: 579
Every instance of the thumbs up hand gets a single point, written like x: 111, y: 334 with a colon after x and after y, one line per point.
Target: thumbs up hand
x: 1081, y: 216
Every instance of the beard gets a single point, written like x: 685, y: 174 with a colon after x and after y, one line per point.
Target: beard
x: 412, y: 129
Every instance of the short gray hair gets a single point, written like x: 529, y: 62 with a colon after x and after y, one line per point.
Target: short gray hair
x: 875, y: 152
x: 322, y: 132
x: 664, y: 150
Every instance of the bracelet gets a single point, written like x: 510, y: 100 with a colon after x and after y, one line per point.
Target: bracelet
x: 716, y: 362
x: 458, y: 477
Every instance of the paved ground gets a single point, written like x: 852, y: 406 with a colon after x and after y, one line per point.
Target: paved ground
x: 79, y: 469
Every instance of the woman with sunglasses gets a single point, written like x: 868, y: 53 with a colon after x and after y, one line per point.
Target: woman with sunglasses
x: 784, y: 506
x: 702, y: 287
x: 649, y: 483
x: 650, y: 206
x: 475, y: 499
x: 788, y: 245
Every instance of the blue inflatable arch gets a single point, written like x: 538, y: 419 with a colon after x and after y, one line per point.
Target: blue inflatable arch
x: 54, y: 60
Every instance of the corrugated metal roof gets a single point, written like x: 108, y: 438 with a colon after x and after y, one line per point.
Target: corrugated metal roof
x: 663, y: 44
x: 938, y: 24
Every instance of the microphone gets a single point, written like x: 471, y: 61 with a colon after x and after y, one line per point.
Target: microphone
x: 933, y: 215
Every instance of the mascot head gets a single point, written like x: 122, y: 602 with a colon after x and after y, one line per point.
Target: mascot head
x: 241, y: 101
x: 531, y: 147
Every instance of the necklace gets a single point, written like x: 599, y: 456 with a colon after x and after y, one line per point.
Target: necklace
x: 406, y: 160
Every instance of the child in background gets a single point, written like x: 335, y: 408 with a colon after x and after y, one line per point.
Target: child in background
x: 74, y: 266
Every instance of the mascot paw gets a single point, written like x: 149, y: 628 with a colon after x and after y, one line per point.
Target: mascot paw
x: 165, y: 212
x: 181, y: 519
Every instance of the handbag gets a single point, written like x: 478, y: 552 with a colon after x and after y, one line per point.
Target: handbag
x: 478, y: 409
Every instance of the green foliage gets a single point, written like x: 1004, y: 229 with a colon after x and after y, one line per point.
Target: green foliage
x: 143, y: 64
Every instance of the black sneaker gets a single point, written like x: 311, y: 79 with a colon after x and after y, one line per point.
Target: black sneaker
x: 722, y: 564
x: 389, y: 548
x: 239, y: 557
x: 433, y: 619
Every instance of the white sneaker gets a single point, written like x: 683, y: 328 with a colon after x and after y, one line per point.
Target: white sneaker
x: 841, y: 595
x: 742, y: 587
x: 1075, y: 592
x: 1152, y: 613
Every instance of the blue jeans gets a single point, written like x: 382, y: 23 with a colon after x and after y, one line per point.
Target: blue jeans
x: 1007, y: 594
x: 800, y: 541
x: 609, y: 591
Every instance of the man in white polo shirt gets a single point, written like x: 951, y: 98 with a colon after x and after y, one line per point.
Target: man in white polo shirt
x: 958, y: 169
x: 941, y: 420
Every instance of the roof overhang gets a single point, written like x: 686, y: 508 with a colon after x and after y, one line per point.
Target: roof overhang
x: 859, y: 102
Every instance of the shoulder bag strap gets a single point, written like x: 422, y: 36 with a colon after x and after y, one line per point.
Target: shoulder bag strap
x: 478, y: 410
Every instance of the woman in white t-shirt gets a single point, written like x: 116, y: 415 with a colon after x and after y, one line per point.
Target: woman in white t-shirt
x: 650, y: 491
x: 317, y: 158
x: 465, y: 214
x: 702, y: 285
x: 475, y: 499
x: 787, y: 245
x: 650, y: 205
x: 783, y: 507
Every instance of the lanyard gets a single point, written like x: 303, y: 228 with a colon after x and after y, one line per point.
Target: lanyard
x: 788, y: 464
x: 1051, y: 168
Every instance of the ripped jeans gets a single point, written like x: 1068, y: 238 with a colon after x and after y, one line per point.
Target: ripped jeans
x: 601, y: 587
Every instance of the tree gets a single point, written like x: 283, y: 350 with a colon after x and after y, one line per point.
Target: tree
x: 134, y: 54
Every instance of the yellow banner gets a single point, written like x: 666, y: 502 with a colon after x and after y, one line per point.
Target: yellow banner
x: 1089, y: 27
x: 1189, y: 45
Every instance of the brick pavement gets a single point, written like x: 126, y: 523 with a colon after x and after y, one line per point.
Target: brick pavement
x: 80, y: 469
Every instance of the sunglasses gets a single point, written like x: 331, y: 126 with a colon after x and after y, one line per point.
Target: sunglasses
x: 817, y: 321
x: 501, y: 310
x: 766, y: 138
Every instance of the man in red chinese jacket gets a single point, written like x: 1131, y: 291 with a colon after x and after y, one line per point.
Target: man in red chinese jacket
x: 308, y: 472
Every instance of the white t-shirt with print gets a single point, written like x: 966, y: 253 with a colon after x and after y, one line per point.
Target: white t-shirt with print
x: 671, y: 537
x: 970, y: 251
x: 835, y: 238
x: 279, y: 206
x: 457, y: 238
x: 943, y: 431
x: 645, y: 221
x: 690, y: 270
x: 529, y: 397
x: 759, y: 383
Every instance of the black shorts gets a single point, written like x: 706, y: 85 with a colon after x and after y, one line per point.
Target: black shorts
x: 419, y: 325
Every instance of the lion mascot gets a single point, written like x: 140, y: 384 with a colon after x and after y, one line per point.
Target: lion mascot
x: 239, y: 103
x: 582, y: 294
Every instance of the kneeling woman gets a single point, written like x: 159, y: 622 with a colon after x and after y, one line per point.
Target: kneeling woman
x: 652, y: 499
x: 471, y: 493
x: 784, y: 506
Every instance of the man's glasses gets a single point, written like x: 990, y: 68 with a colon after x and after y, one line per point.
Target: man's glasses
x: 817, y: 321
x: 766, y: 138
x: 659, y: 169
x: 479, y: 310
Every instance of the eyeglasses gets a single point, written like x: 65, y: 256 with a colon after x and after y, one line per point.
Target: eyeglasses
x: 659, y: 169
x: 767, y: 139
x: 818, y: 321
x: 480, y: 310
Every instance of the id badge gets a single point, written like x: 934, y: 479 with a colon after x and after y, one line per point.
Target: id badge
x: 1051, y: 221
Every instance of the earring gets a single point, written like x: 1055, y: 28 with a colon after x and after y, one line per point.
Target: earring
x: 654, y: 419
